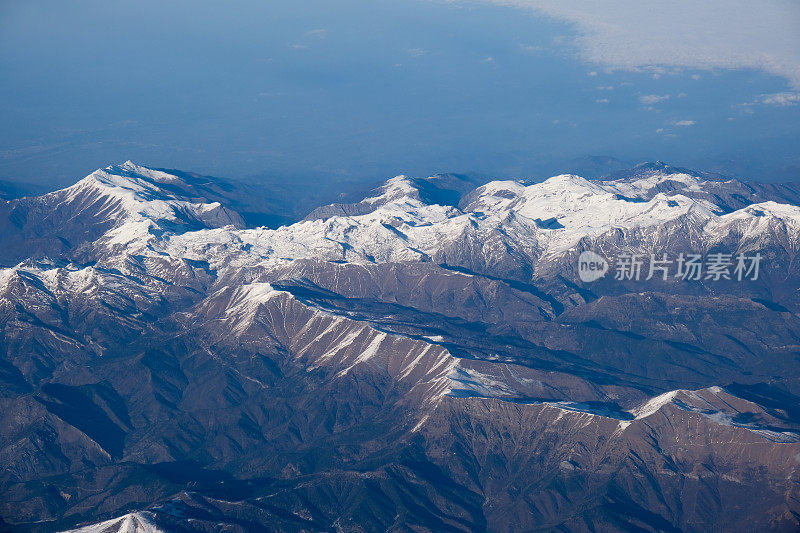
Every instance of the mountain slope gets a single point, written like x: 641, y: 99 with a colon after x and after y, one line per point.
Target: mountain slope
x: 122, y: 203
x: 424, y: 359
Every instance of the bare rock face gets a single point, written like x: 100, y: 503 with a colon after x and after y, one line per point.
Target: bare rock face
x: 426, y: 359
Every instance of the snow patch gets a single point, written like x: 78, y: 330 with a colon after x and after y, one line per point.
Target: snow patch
x: 129, y: 523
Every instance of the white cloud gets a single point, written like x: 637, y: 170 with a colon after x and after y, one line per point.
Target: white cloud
x: 417, y: 52
x: 685, y: 123
x: 651, y: 99
x: 602, y: 100
x: 781, y: 99
x: 321, y: 33
x: 712, y: 34
x: 531, y: 49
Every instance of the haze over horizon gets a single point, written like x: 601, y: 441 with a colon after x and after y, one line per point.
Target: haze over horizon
x: 365, y: 90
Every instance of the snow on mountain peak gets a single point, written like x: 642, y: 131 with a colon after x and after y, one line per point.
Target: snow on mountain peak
x: 542, y: 219
x: 149, y: 212
x: 718, y: 405
x: 129, y: 523
x: 571, y: 207
x: 136, y: 200
x: 154, y: 175
x: 644, y: 186
x: 399, y: 188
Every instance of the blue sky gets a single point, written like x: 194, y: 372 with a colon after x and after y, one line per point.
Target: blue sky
x: 362, y: 89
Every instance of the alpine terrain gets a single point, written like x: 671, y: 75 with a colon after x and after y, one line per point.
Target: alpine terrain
x: 429, y: 358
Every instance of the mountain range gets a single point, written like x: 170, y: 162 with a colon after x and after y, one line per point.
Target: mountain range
x: 426, y: 358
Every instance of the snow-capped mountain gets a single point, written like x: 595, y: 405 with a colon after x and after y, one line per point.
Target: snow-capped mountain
x: 425, y: 358
x: 130, y: 523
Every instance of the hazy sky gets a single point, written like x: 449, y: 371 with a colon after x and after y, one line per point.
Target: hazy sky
x: 356, y: 89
